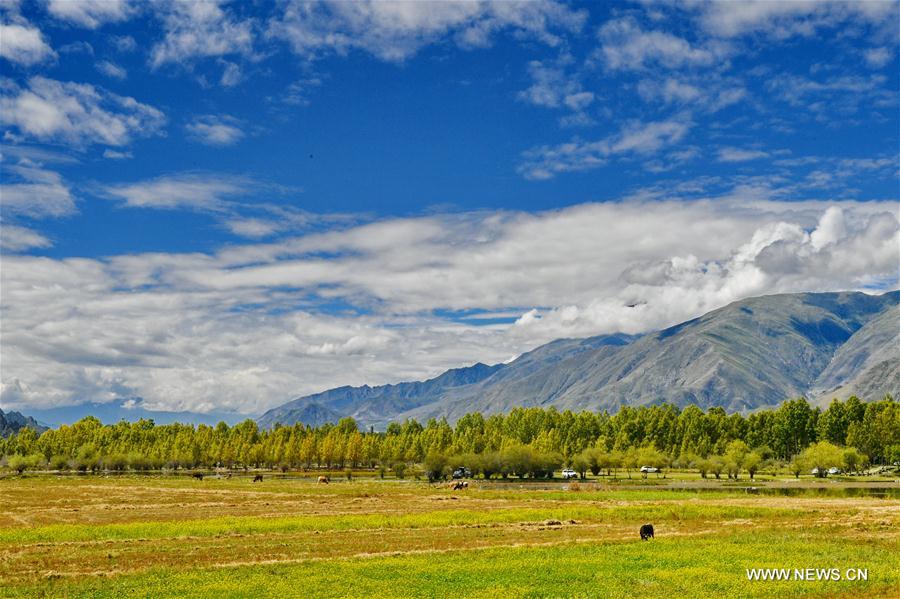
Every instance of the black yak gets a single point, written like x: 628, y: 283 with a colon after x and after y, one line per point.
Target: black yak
x: 646, y: 532
x: 257, y: 478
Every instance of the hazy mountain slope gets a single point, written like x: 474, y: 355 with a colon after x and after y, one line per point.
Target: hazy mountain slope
x: 13, y: 422
x: 749, y: 354
x: 379, y: 405
x: 371, y: 404
x: 868, y: 364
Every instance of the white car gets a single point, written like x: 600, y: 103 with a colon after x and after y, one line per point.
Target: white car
x: 569, y: 473
x: 649, y: 469
x: 834, y: 470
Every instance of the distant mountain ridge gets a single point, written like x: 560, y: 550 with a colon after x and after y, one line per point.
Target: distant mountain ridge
x: 751, y: 354
x: 13, y: 422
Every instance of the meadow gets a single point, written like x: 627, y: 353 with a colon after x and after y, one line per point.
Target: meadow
x: 168, y: 536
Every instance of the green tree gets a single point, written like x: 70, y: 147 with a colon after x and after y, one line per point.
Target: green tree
x: 821, y: 456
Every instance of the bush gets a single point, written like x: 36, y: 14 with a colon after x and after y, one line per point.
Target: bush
x: 21, y: 463
x: 58, y: 462
x: 436, y: 466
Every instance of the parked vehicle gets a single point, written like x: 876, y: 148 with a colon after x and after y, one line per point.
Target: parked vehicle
x: 649, y: 469
x: 462, y: 472
x: 569, y: 473
x: 834, y: 470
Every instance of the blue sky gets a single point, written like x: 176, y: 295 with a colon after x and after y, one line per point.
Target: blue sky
x: 219, y: 206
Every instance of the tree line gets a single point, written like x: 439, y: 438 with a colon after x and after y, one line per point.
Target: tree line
x: 526, y: 442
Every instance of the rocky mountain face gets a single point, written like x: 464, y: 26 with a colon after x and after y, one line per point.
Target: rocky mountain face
x: 13, y: 422
x: 750, y: 354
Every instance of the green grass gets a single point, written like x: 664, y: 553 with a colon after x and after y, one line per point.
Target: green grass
x: 710, y: 565
x: 165, y: 537
x: 439, y: 518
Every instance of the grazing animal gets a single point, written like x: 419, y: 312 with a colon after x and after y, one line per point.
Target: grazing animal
x: 459, y: 485
x: 258, y: 478
x: 198, y: 475
x: 323, y: 479
x: 753, y: 490
x: 646, y: 532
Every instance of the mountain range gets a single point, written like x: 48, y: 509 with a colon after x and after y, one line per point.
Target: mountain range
x: 124, y: 409
x: 13, y: 422
x: 750, y: 354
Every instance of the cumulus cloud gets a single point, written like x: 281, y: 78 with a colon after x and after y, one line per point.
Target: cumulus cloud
x: 186, y: 191
x: 878, y: 57
x: 635, y: 138
x: 783, y: 20
x: 552, y: 87
x: 627, y: 46
x: 75, y: 113
x: 729, y: 154
x: 90, y: 13
x: 23, y: 44
x: 250, y: 326
x: 34, y: 192
x: 395, y: 30
x: 30, y: 192
x: 196, y: 30
x: 297, y: 93
x: 826, y: 97
x: 701, y: 91
x: 116, y: 155
x: 232, y: 201
x: 112, y: 70
x: 215, y: 130
x: 15, y: 238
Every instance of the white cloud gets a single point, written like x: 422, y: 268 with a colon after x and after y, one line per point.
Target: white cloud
x: 186, y: 191
x: 782, y: 20
x: 76, y: 113
x: 552, y: 88
x: 878, y: 57
x: 297, y: 93
x: 395, y: 30
x: 124, y: 43
x: 112, y: 70
x: 707, y: 92
x: 24, y: 45
x: 231, y: 74
x: 729, y: 154
x: 635, y: 138
x: 195, y: 30
x: 252, y: 227
x: 90, y: 13
x: 626, y: 46
x: 32, y: 191
x: 116, y: 155
x: 248, y: 327
x: 215, y: 130
x: 29, y: 191
x: 14, y: 238
x: 826, y: 98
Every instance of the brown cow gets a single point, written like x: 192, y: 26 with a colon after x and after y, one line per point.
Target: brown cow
x: 258, y: 478
x: 323, y: 479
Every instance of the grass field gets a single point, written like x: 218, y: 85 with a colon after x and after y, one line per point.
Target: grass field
x: 176, y: 537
